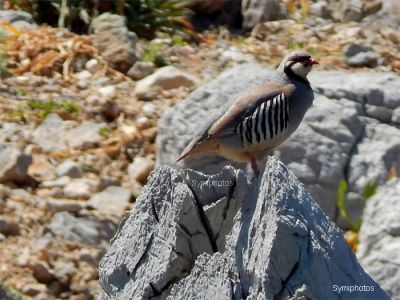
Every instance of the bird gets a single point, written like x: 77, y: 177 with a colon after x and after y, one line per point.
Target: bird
x: 262, y: 118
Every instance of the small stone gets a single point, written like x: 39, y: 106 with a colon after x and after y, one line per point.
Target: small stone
x: 353, y: 49
x: 80, y: 188
x: 108, y: 91
x: 41, y: 272
x: 83, y: 84
x: 33, y: 289
x: 82, y: 230
x: 320, y: 9
x: 13, y: 164
x: 113, y: 200
x: 149, y: 108
x: 166, y: 78
x: 140, y: 70
x: 136, y: 188
x: 69, y: 168
x: 41, y: 169
x: 8, y: 228
x: 371, y: 7
x: 59, y: 182
x: 364, y: 59
x: 140, y: 168
x: 92, y: 65
x: 83, y: 75
x: 84, y: 136
x: 57, y: 205
x: 353, y: 11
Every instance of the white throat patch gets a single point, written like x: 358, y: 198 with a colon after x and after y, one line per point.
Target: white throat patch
x: 300, y: 70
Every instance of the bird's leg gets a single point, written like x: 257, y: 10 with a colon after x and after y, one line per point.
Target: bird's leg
x: 254, y: 166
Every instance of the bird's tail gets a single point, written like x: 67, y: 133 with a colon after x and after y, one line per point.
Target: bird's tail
x: 207, y: 145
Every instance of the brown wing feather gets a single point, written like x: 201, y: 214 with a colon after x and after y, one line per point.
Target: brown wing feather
x: 244, y: 105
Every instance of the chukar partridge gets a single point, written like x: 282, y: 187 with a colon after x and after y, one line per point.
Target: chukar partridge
x: 262, y: 118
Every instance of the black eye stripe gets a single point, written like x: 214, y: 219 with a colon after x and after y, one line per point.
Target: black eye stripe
x: 301, y: 58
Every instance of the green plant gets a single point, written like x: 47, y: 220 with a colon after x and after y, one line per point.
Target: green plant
x: 41, y: 109
x: 145, y: 17
x: 105, y: 132
x: 152, y: 54
x: 12, y: 294
x: 293, y: 44
x: 369, y: 190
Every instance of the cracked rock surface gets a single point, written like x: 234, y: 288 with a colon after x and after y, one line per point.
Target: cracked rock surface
x: 194, y: 236
x: 351, y: 132
x: 379, y: 248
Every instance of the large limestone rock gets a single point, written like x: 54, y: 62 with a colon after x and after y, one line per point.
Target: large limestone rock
x: 379, y: 248
x: 332, y: 143
x: 193, y: 236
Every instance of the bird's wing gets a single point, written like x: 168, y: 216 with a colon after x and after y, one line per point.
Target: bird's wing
x: 245, y: 106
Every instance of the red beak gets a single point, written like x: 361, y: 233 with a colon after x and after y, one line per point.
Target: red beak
x: 313, y: 61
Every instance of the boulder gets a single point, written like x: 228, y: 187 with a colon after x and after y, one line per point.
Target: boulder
x: 379, y: 247
x: 115, y: 42
x: 192, y: 235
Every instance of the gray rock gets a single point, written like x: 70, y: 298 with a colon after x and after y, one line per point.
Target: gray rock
x: 396, y: 116
x: 165, y: 78
x: 18, y: 19
x: 140, y: 70
x: 113, y: 200
x: 258, y: 11
x: 379, y: 247
x: 353, y: 49
x: 80, y: 188
x: 11, y: 16
x: 216, y: 237
x: 85, y: 136
x: 49, y: 135
x: 364, y: 59
x: 69, y: 168
x: 320, y: 9
x: 13, y: 164
x: 376, y: 153
x: 352, y: 11
x: 58, y: 205
x: 54, y: 134
x: 8, y: 227
x: 81, y: 230
x: 115, y: 42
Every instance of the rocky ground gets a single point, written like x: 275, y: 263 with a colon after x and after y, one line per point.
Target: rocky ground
x: 78, y: 125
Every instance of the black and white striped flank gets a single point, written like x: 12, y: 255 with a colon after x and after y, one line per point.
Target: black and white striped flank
x: 266, y: 122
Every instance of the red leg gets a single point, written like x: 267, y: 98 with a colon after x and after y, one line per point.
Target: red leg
x: 254, y: 166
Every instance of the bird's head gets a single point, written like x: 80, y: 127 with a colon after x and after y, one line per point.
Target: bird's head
x: 298, y: 62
